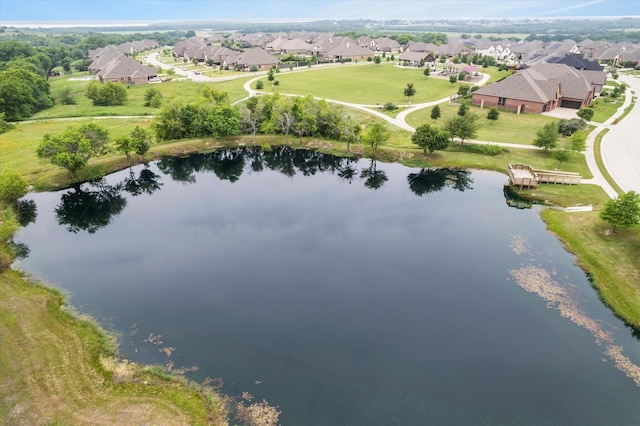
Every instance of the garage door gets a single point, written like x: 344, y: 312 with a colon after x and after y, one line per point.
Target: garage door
x: 571, y: 104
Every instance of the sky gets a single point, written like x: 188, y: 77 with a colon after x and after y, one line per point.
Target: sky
x: 165, y: 10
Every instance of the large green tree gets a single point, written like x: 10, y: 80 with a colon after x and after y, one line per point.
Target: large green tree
x: 623, y: 211
x: 462, y: 127
x: 430, y: 138
x: 106, y: 94
x: 547, y: 137
x: 74, y: 147
x: 375, y: 136
x: 23, y: 91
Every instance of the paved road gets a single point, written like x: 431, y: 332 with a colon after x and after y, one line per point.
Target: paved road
x: 621, y: 145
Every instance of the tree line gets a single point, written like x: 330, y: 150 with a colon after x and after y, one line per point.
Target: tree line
x: 211, y: 115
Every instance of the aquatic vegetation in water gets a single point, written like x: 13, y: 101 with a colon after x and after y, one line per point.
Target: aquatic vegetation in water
x: 538, y: 281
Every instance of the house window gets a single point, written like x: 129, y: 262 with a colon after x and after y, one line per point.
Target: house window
x: 502, y: 101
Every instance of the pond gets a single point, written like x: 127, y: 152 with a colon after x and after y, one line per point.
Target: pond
x: 343, y: 291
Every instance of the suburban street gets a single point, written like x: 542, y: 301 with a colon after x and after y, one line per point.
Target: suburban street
x: 621, y: 145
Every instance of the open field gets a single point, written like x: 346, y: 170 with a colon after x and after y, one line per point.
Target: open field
x: 172, y: 90
x: 369, y: 84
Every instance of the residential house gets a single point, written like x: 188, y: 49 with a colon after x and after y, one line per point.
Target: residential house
x: 221, y: 56
x: 538, y: 89
x: 123, y: 69
x: 385, y: 44
x: 414, y: 59
x: 256, y: 57
x: 348, y: 48
x: 577, y: 61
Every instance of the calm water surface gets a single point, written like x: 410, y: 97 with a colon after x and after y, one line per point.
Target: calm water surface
x: 346, y: 293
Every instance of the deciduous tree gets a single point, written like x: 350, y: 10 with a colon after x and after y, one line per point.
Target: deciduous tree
x: 547, y: 137
x: 375, y: 136
x: 435, y: 113
x: 462, y: 127
x: 430, y: 138
x: 74, y: 147
x: 586, y: 113
x: 623, y: 211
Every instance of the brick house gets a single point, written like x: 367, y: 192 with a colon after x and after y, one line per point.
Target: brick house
x: 538, y: 89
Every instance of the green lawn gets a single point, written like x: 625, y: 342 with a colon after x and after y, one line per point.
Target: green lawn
x: 179, y: 90
x: 18, y: 146
x: 509, y: 128
x: 370, y: 84
x: 604, y: 110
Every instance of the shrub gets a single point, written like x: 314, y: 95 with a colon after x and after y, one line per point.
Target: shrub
x: 253, y: 68
x: 12, y: 186
x: 259, y: 85
x: 156, y: 101
x: 476, y: 148
x: 389, y: 106
x: 586, y: 113
x: 66, y: 98
x: 567, y: 127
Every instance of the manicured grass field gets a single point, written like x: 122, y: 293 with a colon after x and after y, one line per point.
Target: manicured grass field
x: 176, y: 90
x: 604, y: 110
x: 509, y: 128
x: 369, y: 84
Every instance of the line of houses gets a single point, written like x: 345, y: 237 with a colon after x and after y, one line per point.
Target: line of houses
x: 550, y: 75
x: 115, y: 64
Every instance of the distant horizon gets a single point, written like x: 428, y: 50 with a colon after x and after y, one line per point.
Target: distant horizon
x: 124, y: 12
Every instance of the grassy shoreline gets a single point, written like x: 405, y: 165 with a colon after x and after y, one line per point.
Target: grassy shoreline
x: 61, y: 368
x: 98, y: 389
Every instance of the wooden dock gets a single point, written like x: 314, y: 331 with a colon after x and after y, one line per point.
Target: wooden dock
x: 523, y: 175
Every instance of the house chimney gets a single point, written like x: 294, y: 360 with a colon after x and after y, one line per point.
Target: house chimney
x: 347, y: 45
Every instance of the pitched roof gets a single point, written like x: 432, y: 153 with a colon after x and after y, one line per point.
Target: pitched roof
x: 541, y: 84
x: 412, y: 56
x: 256, y: 56
x: 125, y: 67
x: 573, y: 83
x: 103, y: 57
x: 521, y: 86
x: 576, y: 61
x: 349, y: 48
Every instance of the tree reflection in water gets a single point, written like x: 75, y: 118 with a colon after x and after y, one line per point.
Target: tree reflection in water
x: 373, y: 178
x: 90, y: 209
x: 436, y: 179
x: 92, y: 206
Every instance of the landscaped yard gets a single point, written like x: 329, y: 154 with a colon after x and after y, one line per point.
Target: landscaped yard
x: 604, y: 110
x: 369, y: 84
x: 509, y: 128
